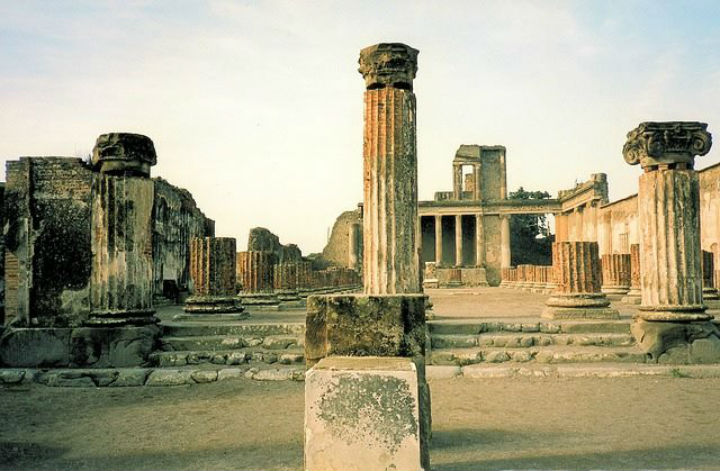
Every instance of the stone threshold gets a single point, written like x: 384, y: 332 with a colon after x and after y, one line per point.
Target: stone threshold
x: 579, y: 370
x: 149, y: 377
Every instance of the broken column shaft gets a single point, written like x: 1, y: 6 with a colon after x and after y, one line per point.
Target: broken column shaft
x: 634, y: 296
x: 212, y: 271
x: 616, y: 273
x: 577, y: 273
x: 122, y: 197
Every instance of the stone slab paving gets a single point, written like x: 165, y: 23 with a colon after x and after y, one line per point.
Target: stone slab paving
x: 150, y: 377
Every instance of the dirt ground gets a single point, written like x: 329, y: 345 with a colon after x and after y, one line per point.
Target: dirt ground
x: 527, y: 423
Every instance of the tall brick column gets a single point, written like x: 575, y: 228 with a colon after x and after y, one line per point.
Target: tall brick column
x: 616, y: 273
x: 634, y: 296
x: 390, y: 263
x: 371, y: 346
x: 212, y: 271
x: 121, y: 285
x: 576, y: 269
x: 672, y: 321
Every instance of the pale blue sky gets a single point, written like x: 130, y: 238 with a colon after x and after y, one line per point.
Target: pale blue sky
x: 256, y: 107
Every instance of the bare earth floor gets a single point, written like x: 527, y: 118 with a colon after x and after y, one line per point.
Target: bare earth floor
x: 521, y: 423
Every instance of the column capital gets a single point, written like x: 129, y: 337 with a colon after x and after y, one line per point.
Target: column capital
x: 388, y: 65
x: 121, y: 153
x: 663, y: 143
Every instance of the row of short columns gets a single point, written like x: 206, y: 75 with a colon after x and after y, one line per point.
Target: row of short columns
x: 532, y: 278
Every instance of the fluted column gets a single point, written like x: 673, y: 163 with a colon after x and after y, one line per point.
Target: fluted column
x: 505, y: 256
x: 672, y: 324
x: 576, y: 269
x: 634, y: 296
x: 479, y: 241
x: 256, y: 270
x: 616, y: 273
x: 390, y: 263
x: 121, y: 285
x: 458, y: 241
x: 438, y: 240
x: 668, y: 210
x: 212, y: 271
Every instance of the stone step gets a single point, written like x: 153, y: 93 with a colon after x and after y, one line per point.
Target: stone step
x: 291, y: 355
x: 554, y: 354
x: 230, y: 342
x: 188, y: 329
x: 621, y: 326
x: 522, y: 340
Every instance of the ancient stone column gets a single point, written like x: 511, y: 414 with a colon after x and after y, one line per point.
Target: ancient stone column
x: 390, y: 263
x: 371, y: 346
x: 576, y: 269
x: 213, y: 275
x: 122, y: 201
x: 438, y: 240
x: 256, y: 269
x: 709, y: 292
x: 458, y: 241
x: 286, y: 281
x: 634, y: 296
x: 505, y: 241
x: 616, y: 273
x: 672, y: 321
x: 479, y: 241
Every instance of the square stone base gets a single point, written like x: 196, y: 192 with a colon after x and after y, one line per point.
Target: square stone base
x: 387, y: 325
x: 366, y: 414
x: 552, y: 312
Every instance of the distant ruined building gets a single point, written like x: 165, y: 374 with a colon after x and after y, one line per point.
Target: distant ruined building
x: 464, y: 234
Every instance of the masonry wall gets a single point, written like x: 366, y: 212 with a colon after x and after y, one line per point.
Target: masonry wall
x: 493, y: 173
x: 47, y: 246
x: 176, y: 219
x: 336, y: 250
x: 47, y: 256
x: 616, y: 223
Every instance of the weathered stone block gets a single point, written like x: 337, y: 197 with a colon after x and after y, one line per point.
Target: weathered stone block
x: 366, y: 414
x: 678, y: 342
x: 364, y: 325
x: 23, y: 347
x: 103, y: 347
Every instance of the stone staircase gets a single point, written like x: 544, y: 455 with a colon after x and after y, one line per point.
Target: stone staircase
x: 466, y: 342
x: 229, y: 343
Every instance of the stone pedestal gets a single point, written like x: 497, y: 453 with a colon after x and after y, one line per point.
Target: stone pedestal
x: 121, y: 288
x: 577, y: 274
x: 634, y: 296
x: 366, y: 414
x: 672, y: 324
x: 212, y: 271
x: 616, y: 274
x: 364, y: 325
